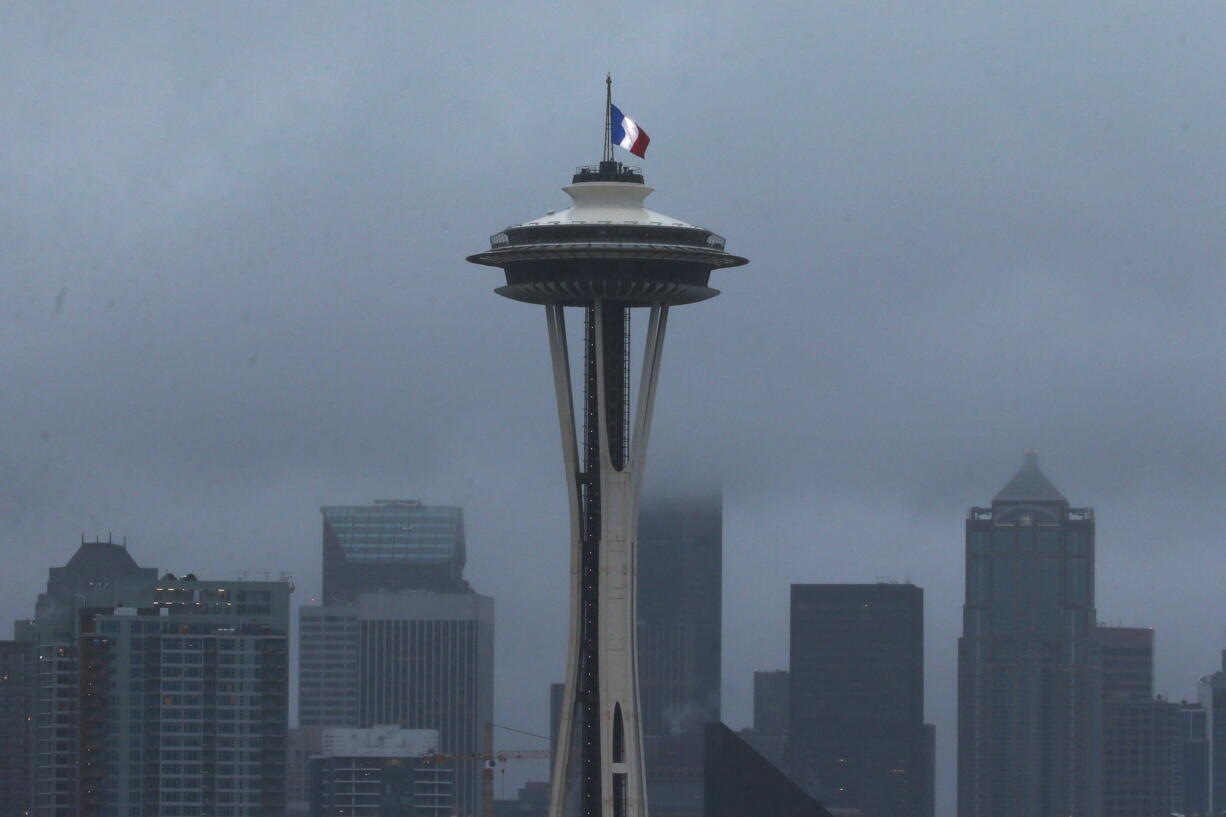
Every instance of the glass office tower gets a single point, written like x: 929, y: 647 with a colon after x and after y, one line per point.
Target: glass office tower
x: 390, y: 546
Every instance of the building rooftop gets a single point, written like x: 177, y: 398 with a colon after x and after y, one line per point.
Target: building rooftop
x: 379, y: 741
x: 1030, y: 484
x: 397, y: 531
x: 102, y: 559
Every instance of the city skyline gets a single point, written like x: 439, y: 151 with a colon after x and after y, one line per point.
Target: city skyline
x: 112, y: 556
x: 231, y: 292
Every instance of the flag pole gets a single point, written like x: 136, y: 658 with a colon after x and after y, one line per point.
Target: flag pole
x: 607, y: 155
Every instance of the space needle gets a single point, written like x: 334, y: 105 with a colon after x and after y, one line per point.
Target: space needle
x: 606, y: 255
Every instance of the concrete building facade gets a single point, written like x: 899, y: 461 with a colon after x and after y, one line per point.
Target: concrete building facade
x: 414, y: 659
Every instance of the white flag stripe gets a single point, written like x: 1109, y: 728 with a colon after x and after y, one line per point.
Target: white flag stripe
x: 632, y: 132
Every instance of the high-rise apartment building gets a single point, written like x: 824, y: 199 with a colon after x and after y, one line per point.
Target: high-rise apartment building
x: 184, y: 701
x: 415, y: 659
x: 17, y: 674
x: 857, y: 735
x: 1029, y: 665
x: 98, y: 574
x: 389, y: 546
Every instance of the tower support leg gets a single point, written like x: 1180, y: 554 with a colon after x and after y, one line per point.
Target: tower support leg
x: 598, y: 767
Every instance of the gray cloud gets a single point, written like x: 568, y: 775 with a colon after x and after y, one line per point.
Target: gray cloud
x: 232, y: 288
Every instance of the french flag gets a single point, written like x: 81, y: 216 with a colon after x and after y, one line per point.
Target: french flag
x: 625, y: 131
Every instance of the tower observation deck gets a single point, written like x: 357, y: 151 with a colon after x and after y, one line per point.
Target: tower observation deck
x: 607, y: 254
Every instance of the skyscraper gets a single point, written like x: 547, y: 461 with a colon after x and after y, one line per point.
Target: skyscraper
x: 415, y: 659
x: 679, y: 611
x: 389, y: 546
x: 98, y: 574
x: 857, y: 735
x: 607, y: 255
x: 1029, y: 666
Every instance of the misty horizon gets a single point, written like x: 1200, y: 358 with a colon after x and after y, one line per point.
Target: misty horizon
x: 234, y: 290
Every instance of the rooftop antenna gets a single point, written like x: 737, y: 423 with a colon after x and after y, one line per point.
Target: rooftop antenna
x: 607, y: 155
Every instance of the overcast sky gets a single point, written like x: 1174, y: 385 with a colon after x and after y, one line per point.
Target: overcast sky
x: 233, y: 288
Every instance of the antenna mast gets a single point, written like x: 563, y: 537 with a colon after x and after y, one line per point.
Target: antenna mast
x: 607, y: 154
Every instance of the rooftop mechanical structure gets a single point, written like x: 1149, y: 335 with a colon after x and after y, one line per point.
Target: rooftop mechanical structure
x: 607, y: 255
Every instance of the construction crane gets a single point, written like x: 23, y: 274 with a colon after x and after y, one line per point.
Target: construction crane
x: 491, y: 761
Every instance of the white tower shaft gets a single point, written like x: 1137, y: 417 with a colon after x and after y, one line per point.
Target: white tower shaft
x: 598, y: 768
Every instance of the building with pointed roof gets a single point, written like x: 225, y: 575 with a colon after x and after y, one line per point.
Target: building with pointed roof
x: 1030, y: 484
x: 96, y: 566
x: 1029, y: 664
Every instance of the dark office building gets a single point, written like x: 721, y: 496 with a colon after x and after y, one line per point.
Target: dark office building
x: 1138, y: 749
x: 1029, y: 665
x: 390, y: 546
x: 771, y: 689
x: 17, y: 674
x: 1128, y: 663
x: 857, y: 734
x: 680, y: 579
x: 738, y: 782
x: 1139, y: 732
x: 1191, y: 766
